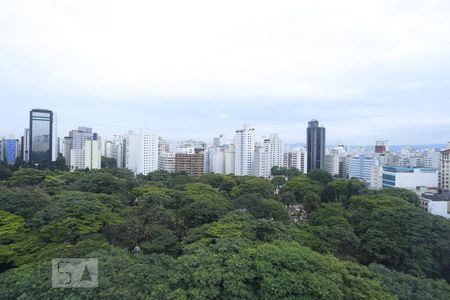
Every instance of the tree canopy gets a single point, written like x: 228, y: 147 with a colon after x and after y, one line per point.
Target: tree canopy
x: 219, y: 237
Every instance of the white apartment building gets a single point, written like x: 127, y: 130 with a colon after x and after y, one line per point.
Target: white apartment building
x: 268, y: 155
x: 131, y: 151
x: 166, y: 162
x: 331, y: 163
x: 216, y: 160
x: 77, y: 155
x: 229, y: 158
x: 147, y: 153
x: 92, y: 154
x: 431, y: 158
x: 410, y: 178
x: 244, y: 143
x: 295, y: 159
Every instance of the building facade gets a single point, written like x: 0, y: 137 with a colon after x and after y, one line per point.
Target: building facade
x: 92, y: 154
x: 244, y: 146
x: 76, y: 141
x: 295, y: 159
x: 42, y: 139
x: 367, y: 169
x: 192, y: 164
x: 166, y: 162
x: 444, y: 171
x: 315, y: 144
x: 410, y: 178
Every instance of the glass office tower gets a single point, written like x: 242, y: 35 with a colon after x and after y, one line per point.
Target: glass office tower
x: 41, y: 136
x: 315, y: 140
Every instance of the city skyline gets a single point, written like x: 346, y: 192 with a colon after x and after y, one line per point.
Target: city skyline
x: 365, y: 70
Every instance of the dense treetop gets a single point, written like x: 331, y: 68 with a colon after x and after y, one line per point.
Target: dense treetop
x: 219, y: 236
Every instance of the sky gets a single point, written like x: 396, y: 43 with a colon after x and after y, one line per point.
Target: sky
x: 196, y: 69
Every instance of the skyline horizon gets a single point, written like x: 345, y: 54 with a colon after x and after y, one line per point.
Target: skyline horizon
x: 366, y: 70
x: 228, y: 136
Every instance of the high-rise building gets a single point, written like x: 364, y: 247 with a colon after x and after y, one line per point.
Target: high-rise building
x: 42, y: 137
x: 431, y: 158
x: 268, y: 155
x: 331, y: 163
x: 67, y: 148
x: 147, y: 160
x: 2, y: 149
x: 244, y: 146
x: 166, y: 162
x: 25, y: 145
x: 315, y: 141
x: 219, y: 141
x: 381, y: 146
x: 230, y: 159
x: 367, y: 169
x: 141, y: 151
x: 131, y: 151
x: 216, y: 160
x: 77, y: 151
x: 295, y: 159
x: 444, y: 171
x: 12, y: 151
x: 92, y: 153
x: 192, y: 164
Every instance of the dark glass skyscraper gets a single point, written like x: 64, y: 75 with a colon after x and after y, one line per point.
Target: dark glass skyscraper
x: 315, y: 140
x: 41, y: 136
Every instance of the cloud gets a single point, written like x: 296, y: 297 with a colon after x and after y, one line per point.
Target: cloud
x: 235, y: 62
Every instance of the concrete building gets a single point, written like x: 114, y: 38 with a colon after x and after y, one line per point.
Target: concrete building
x: 192, y: 164
x: 296, y: 159
x: 344, y: 166
x: 219, y: 141
x: 2, y: 149
x: 166, y: 162
x: 12, y: 150
x: 444, y: 171
x: 431, y: 158
x: 331, y: 164
x: 381, y: 146
x: 67, y: 147
x: 25, y: 145
x: 147, y: 160
x: 42, y: 137
x: 436, y: 204
x: 273, y: 146
x: 268, y: 155
x: 131, y: 151
x: 230, y: 159
x: 315, y: 144
x: 77, y: 151
x: 217, y: 160
x: 92, y: 154
x: 244, y: 145
x: 367, y: 169
x: 410, y: 178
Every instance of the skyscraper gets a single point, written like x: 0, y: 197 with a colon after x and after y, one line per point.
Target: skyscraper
x: 41, y: 136
x: 12, y: 150
x: 77, y: 150
x: 315, y: 140
x: 244, y: 143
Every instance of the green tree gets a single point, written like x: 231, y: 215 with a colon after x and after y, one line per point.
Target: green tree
x: 320, y: 176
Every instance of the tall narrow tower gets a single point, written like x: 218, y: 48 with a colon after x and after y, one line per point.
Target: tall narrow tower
x: 244, y: 143
x: 315, y: 140
x: 41, y: 136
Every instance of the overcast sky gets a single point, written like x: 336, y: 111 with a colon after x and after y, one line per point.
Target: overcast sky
x: 196, y: 69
